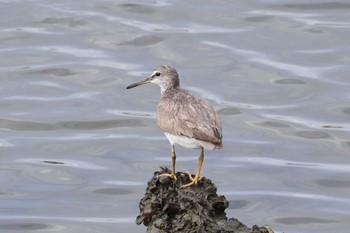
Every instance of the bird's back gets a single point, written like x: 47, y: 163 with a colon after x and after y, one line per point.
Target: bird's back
x: 181, y: 113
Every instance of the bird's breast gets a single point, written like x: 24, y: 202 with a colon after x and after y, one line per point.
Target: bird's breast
x: 183, y: 141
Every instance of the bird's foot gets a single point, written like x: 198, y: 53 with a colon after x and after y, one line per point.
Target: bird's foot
x: 171, y: 175
x: 194, y: 180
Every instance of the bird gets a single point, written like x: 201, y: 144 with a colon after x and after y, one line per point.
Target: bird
x: 186, y: 119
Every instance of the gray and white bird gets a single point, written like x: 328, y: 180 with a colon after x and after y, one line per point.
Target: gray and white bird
x: 186, y: 119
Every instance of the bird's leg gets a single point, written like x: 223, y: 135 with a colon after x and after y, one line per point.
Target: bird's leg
x: 196, y: 177
x: 173, y: 158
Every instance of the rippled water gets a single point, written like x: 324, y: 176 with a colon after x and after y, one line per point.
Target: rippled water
x: 77, y: 149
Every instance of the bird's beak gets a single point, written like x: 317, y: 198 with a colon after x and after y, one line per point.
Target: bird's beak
x: 147, y: 80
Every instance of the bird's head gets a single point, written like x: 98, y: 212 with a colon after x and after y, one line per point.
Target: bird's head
x: 164, y: 76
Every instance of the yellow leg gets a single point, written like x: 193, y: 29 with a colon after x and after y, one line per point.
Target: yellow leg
x: 197, y: 176
x: 173, y: 158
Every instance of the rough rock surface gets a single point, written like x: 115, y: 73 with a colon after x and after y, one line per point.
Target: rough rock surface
x: 166, y: 207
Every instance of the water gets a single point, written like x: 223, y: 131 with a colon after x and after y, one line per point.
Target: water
x: 77, y: 149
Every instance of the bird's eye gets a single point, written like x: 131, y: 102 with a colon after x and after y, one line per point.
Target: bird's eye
x: 157, y: 74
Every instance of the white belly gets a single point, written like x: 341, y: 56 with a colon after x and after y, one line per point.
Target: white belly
x: 183, y: 141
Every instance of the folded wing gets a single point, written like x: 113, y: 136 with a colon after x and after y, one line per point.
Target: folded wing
x: 184, y: 114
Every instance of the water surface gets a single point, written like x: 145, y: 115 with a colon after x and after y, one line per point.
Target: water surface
x: 77, y: 148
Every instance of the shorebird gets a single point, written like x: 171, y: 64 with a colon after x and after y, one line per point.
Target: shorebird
x: 186, y: 119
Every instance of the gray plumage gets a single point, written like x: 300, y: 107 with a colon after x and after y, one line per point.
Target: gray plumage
x: 186, y: 119
x: 181, y: 113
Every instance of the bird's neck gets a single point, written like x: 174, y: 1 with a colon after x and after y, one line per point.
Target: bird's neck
x: 164, y: 90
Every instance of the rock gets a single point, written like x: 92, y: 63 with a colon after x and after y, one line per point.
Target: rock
x: 168, y: 208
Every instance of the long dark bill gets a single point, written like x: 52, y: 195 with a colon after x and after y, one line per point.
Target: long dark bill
x: 147, y: 80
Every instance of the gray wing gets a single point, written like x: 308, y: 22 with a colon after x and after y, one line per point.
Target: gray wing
x: 184, y: 114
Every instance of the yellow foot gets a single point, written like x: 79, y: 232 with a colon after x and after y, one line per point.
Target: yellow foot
x: 171, y: 175
x: 194, y: 180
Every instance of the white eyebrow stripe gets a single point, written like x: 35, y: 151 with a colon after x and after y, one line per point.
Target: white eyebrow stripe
x: 154, y: 73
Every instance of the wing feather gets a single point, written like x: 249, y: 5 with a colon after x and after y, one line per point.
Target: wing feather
x: 183, y: 114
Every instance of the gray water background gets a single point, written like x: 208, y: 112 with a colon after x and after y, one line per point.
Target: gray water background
x: 77, y: 149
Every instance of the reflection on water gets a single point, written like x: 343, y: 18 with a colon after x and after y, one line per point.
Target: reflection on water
x: 18, y: 125
x: 304, y: 220
x: 77, y: 150
x: 25, y: 226
x: 113, y: 191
